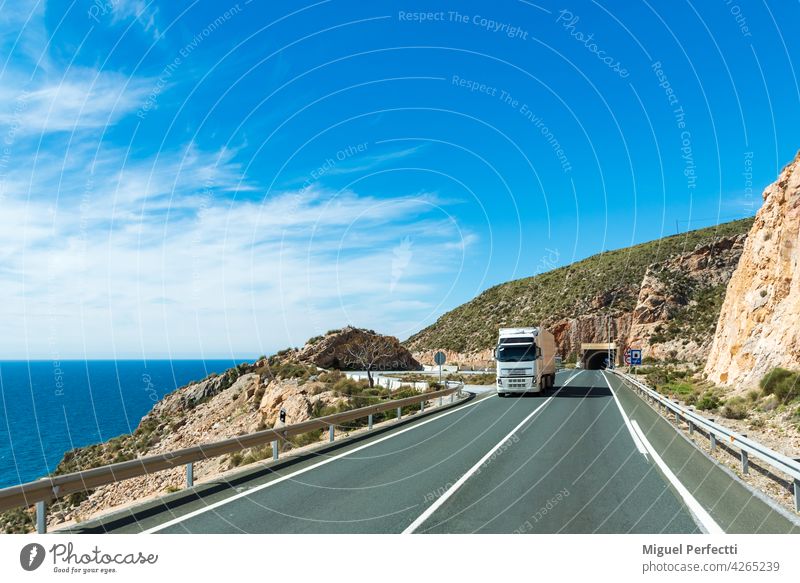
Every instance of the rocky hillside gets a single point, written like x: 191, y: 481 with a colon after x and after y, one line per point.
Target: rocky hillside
x: 759, y: 324
x: 665, y: 295
x: 242, y: 400
x: 680, y: 299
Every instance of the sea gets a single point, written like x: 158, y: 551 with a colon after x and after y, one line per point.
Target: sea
x: 50, y: 407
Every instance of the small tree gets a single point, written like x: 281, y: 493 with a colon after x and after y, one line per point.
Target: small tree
x: 366, y: 352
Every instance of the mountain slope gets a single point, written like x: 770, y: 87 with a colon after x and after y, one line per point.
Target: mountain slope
x: 591, y: 300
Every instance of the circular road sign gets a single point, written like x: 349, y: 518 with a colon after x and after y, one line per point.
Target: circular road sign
x: 439, y: 358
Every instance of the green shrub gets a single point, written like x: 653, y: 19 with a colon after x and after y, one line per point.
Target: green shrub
x: 306, y: 438
x: 708, y: 401
x: 257, y: 454
x: 681, y: 389
x: 17, y: 521
x: 736, y: 408
x: 347, y: 387
x: 784, y: 384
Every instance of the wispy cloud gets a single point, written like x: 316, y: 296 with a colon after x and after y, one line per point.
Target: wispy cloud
x: 172, y: 254
x: 80, y: 99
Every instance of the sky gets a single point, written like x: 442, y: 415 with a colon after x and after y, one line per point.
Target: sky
x: 225, y: 179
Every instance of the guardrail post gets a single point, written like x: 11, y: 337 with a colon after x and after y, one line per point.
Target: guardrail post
x: 41, y: 515
x: 189, y: 475
x: 713, y: 439
x: 370, y: 421
x: 440, y: 401
x: 399, y: 413
x: 275, y: 451
x: 797, y: 495
x: 691, y: 428
x: 677, y: 418
x: 745, y: 462
x: 330, y: 433
x: 422, y: 406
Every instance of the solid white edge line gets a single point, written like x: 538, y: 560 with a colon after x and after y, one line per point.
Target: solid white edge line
x: 444, y: 497
x: 199, y: 511
x: 634, y: 436
x: 695, y: 507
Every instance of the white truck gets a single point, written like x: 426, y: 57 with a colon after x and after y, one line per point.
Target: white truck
x: 526, y: 361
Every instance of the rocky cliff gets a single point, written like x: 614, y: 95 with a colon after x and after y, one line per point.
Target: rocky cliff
x: 759, y: 323
x: 663, y: 296
x: 680, y: 299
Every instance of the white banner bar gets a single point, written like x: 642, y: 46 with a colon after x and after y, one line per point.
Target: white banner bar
x: 391, y: 557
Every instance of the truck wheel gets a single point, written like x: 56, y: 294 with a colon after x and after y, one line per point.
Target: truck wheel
x: 501, y: 395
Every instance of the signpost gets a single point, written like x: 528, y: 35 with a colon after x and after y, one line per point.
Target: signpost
x: 440, y: 358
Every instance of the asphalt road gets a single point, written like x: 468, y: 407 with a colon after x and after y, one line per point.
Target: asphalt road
x: 588, y: 457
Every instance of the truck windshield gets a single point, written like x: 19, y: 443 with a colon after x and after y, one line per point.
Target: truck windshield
x: 516, y: 353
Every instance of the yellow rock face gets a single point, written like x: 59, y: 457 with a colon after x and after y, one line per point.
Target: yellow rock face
x: 759, y: 325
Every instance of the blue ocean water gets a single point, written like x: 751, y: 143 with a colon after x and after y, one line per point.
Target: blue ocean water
x: 48, y: 407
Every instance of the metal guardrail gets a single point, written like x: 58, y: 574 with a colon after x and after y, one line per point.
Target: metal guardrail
x: 746, y: 446
x: 42, y: 491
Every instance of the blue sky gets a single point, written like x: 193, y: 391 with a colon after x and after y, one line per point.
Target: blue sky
x: 225, y: 179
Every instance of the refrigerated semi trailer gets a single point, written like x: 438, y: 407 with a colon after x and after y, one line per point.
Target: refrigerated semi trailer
x: 526, y: 360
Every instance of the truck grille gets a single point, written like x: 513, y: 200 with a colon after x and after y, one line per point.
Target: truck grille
x: 516, y: 372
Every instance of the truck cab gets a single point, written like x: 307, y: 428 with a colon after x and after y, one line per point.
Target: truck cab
x: 525, y: 359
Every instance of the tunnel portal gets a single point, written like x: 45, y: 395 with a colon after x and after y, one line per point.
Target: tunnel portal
x: 597, y: 356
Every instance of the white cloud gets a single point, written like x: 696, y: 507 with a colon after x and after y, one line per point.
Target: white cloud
x: 144, y: 12
x: 81, y: 99
x: 167, y: 258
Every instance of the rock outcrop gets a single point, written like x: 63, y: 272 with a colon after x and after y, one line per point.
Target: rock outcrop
x: 679, y: 301
x: 598, y: 327
x: 331, y: 351
x: 759, y: 324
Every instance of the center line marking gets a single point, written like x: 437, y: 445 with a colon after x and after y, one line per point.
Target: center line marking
x: 462, y: 480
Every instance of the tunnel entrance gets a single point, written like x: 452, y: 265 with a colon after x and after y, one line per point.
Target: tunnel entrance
x: 597, y: 356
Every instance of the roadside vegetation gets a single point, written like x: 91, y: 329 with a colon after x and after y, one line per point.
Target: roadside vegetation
x: 778, y: 392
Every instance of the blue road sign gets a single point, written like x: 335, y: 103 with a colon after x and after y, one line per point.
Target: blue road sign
x: 636, y: 357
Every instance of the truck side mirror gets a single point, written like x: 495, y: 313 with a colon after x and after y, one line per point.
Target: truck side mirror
x: 538, y: 352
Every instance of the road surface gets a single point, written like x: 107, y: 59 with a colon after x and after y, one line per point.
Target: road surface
x: 590, y: 456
